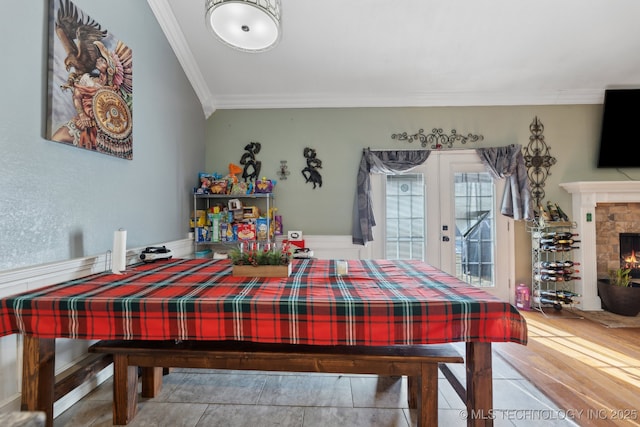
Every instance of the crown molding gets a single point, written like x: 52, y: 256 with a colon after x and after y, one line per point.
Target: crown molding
x: 210, y: 101
x: 166, y: 19
x: 435, y: 99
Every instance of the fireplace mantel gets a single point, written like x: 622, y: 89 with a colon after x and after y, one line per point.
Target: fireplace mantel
x: 585, y: 197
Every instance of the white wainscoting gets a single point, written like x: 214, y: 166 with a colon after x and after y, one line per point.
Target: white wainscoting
x: 336, y: 247
x: 68, y: 352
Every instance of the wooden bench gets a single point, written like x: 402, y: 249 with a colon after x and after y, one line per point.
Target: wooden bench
x: 419, y: 363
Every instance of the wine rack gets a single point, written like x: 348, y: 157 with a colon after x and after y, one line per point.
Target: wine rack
x: 553, y: 270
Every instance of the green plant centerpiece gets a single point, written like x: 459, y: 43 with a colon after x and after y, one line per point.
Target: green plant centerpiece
x: 619, y: 294
x: 261, y: 262
x: 260, y: 257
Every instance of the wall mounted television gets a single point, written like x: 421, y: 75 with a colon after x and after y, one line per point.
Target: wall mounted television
x: 620, y: 112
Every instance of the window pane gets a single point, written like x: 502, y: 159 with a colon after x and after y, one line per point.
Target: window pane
x: 474, y: 201
x: 405, y: 223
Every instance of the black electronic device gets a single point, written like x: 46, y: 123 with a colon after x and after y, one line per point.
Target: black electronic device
x: 620, y: 112
x: 154, y: 253
x: 303, y: 253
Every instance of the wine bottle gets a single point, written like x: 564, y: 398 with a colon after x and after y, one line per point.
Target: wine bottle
x: 563, y: 216
x: 555, y: 216
x: 565, y: 235
x: 566, y: 241
x: 543, y: 264
x: 543, y: 213
x: 556, y: 304
x: 560, y: 270
x: 568, y: 278
x: 568, y: 263
x: 556, y: 235
x: 558, y: 265
x: 557, y: 296
x: 559, y: 248
x: 568, y: 294
x: 548, y: 271
x: 548, y: 278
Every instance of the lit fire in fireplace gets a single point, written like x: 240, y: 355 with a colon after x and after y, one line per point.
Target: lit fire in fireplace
x: 631, y: 261
x: 630, y: 252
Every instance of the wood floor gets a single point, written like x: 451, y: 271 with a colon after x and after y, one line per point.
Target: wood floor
x: 582, y: 366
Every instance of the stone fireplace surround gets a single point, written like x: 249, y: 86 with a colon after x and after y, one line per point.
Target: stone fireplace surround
x: 618, y: 210
x: 613, y: 219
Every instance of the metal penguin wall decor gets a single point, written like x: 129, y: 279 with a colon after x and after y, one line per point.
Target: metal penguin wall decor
x: 311, y: 173
x: 252, y: 166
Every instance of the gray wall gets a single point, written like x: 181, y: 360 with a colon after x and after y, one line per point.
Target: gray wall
x: 58, y: 202
x: 339, y: 135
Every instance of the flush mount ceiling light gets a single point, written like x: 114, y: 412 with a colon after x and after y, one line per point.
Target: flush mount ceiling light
x: 246, y: 25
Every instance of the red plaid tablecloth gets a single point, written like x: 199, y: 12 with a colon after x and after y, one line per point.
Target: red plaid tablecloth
x: 378, y: 302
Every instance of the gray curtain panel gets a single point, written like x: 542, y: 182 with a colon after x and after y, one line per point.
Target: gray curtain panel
x: 502, y: 162
x: 384, y: 162
x: 508, y: 163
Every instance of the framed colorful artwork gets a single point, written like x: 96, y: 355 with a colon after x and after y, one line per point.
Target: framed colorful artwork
x: 90, y: 89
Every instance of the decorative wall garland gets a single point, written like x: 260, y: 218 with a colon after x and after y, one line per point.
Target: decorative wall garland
x: 537, y: 160
x: 437, y: 139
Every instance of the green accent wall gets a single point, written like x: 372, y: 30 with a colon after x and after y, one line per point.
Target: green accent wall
x: 339, y: 135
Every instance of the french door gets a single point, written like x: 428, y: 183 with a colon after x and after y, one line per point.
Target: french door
x: 446, y: 213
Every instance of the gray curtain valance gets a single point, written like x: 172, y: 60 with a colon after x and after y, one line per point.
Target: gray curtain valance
x: 502, y: 162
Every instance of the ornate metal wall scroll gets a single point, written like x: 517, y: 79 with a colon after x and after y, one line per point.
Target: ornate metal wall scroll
x: 311, y: 173
x: 537, y: 160
x: 437, y: 139
x: 252, y: 166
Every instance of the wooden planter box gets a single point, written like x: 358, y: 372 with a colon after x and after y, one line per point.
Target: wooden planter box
x: 261, y: 270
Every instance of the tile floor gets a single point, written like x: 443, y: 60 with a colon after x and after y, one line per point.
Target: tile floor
x: 211, y: 398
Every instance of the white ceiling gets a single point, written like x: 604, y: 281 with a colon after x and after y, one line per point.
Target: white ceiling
x: 384, y: 53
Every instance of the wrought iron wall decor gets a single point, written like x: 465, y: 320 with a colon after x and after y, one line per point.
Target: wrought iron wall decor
x: 437, y: 139
x: 252, y: 166
x: 283, y: 172
x: 537, y: 160
x: 311, y: 173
